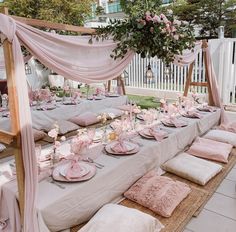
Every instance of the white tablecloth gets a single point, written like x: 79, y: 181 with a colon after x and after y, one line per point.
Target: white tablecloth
x: 65, y: 112
x: 59, y: 209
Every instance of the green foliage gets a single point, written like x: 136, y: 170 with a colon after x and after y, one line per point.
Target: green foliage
x: 149, y: 35
x: 60, y: 11
x: 208, y: 15
x: 99, y: 10
x: 134, y: 7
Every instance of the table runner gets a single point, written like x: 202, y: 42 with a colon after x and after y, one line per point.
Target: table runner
x: 62, y: 208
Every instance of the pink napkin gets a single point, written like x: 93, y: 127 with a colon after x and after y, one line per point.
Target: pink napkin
x: 73, y: 171
x: 193, y: 114
x: 158, y: 134
x: 120, y: 147
x: 178, y: 123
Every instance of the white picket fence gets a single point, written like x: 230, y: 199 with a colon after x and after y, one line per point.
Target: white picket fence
x: 224, y: 59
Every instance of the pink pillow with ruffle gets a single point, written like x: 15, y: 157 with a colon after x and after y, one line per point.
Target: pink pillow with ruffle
x: 85, y: 119
x: 210, y: 149
x: 158, y: 193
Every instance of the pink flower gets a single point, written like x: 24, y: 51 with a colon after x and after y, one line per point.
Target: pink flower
x: 53, y: 133
x: 143, y: 22
x: 156, y: 19
x: 176, y: 37
x: 63, y: 138
x: 177, y: 22
x: 148, y: 13
x: 173, y: 29
x: 148, y: 18
x: 57, y: 144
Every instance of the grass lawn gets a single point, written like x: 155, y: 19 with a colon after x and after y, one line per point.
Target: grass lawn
x: 144, y: 102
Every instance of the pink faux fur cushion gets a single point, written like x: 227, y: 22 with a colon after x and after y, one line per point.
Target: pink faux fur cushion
x: 85, y: 119
x: 210, y: 149
x: 158, y: 193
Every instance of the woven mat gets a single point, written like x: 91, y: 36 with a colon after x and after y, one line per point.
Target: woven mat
x: 189, y: 207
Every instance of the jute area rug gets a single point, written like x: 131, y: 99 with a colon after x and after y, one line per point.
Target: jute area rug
x: 191, y: 206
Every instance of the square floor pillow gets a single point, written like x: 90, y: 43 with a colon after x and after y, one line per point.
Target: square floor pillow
x: 117, y: 218
x: 221, y: 136
x: 197, y: 170
x: 38, y: 135
x: 64, y: 127
x: 158, y: 193
x: 85, y: 119
x: 210, y: 149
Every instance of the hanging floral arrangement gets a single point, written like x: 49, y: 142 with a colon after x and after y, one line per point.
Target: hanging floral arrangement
x: 150, y: 35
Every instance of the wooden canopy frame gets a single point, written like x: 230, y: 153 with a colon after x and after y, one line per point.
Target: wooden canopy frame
x: 14, y: 137
x: 189, y: 81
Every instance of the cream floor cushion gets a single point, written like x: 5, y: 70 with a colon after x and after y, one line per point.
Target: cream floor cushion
x: 222, y: 136
x: 192, y: 168
x: 117, y: 218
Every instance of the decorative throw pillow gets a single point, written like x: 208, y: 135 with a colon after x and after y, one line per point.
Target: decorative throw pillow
x: 158, y: 193
x: 85, y: 119
x: 111, y: 112
x: 117, y: 218
x: 192, y: 168
x: 222, y: 136
x: 38, y: 135
x: 2, y: 147
x: 210, y: 149
x: 64, y: 127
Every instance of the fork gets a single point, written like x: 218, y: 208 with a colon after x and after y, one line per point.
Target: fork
x: 57, y: 184
x: 90, y: 160
x: 100, y: 166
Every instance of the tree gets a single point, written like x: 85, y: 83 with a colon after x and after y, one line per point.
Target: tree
x: 134, y: 7
x: 61, y: 11
x: 208, y: 15
x: 99, y: 10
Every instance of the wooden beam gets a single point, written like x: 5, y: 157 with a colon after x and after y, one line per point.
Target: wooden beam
x: 56, y: 26
x: 109, y: 86
x: 6, y: 137
x: 188, y: 80
x: 203, y: 84
x: 210, y: 95
x: 15, y: 124
x: 4, y: 10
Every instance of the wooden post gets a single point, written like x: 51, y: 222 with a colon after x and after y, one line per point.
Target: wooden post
x: 121, y: 83
x: 210, y: 97
x: 109, y: 86
x: 15, y: 123
x: 188, y: 80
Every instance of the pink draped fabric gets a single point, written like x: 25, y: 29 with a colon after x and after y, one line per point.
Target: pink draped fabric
x: 188, y: 56
x: 72, y: 56
x: 8, y: 29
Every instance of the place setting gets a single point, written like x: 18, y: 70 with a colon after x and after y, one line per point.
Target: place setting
x: 157, y: 133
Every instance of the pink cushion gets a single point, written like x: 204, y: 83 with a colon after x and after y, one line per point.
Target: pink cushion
x: 85, y: 119
x: 38, y: 135
x: 210, y: 149
x: 158, y: 193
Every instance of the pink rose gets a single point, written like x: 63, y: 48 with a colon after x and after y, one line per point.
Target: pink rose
x: 156, y: 19
x: 176, y: 37
x: 53, y: 133
x: 177, y: 22
x: 148, y: 18
x: 57, y: 144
